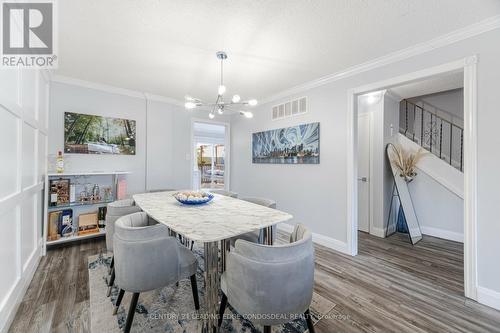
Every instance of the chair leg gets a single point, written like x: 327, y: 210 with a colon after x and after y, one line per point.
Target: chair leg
x: 118, y: 301
x: 222, y: 309
x: 309, y: 321
x: 112, y: 265
x: 111, y: 281
x: 267, y: 329
x: 194, y: 288
x: 131, y: 312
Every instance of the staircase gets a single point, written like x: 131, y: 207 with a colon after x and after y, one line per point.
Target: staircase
x: 435, y: 134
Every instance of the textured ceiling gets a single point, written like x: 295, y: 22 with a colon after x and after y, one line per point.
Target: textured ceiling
x: 168, y: 47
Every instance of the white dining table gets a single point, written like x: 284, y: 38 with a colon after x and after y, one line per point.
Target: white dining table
x: 212, y: 223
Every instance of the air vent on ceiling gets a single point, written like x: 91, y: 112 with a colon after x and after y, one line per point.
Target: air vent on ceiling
x: 290, y: 108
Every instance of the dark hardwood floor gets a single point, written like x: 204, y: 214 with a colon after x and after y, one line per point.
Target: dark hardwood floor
x: 57, y: 299
x: 390, y: 286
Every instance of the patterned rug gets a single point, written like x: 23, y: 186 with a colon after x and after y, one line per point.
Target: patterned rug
x: 171, y: 309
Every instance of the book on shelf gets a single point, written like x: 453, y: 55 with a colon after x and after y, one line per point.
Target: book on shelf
x: 60, y: 224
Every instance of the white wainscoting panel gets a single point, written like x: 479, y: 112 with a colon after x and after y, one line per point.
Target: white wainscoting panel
x: 28, y: 94
x: 28, y: 228
x: 23, y: 132
x: 29, y: 155
x: 9, y: 130
x: 8, y: 256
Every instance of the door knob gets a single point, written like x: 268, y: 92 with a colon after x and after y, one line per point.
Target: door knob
x: 363, y: 179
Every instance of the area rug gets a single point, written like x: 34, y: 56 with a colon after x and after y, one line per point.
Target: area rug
x: 171, y: 309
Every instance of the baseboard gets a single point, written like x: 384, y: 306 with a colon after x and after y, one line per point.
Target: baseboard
x: 378, y: 232
x: 326, y: 241
x: 488, y: 297
x: 444, y: 234
x: 9, y: 308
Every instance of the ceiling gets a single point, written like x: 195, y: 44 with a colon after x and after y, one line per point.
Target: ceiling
x: 432, y: 85
x: 168, y: 47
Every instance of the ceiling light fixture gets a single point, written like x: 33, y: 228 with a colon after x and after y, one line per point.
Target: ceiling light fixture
x: 220, y: 106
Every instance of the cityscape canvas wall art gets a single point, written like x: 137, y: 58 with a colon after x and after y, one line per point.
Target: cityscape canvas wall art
x: 90, y: 134
x: 292, y: 145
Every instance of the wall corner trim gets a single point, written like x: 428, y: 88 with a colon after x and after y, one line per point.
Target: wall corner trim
x: 488, y: 297
x: 378, y: 232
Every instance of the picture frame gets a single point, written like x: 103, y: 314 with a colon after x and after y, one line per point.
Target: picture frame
x: 298, y: 144
x: 61, y: 189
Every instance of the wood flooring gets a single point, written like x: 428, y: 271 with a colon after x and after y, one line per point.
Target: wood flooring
x: 391, y: 286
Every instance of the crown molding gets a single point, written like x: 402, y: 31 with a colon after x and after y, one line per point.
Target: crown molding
x: 392, y: 95
x: 163, y: 99
x: 472, y: 30
x: 114, y: 90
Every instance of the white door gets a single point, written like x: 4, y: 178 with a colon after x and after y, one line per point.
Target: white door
x: 364, y: 172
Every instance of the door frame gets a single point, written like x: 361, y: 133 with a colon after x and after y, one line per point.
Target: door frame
x: 227, y: 143
x: 469, y: 67
x: 370, y: 166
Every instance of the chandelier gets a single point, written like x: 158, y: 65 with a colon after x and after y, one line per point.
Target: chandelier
x: 220, y: 106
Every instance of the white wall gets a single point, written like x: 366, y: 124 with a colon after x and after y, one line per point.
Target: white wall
x: 163, y: 154
x: 440, y: 212
x: 316, y: 194
x: 452, y: 102
x: 70, y: 98
x: 23, y: 133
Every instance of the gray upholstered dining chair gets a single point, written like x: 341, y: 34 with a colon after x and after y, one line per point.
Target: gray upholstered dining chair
x: 257, y: 235
x: 147, y: 258
x: 262, y: 280
x: 225, y: 193
x: 114, y: 211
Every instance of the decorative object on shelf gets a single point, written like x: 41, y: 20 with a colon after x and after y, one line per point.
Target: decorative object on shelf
x: 72, y: 192
x: 193, y: 197
x: 53, y: 226
x: 220, y: 106
x: 59, y: 192
x: 405, y: 161
x: 121, y: 191
x: 91, y: 134
x: 59, y: 163
x: 88, y: 224
x: 108, y: 193
x: 101, y: 214
x: 84, y: 195
x: 66, y: 223
x: 291, y: 145
x: 96, y: 193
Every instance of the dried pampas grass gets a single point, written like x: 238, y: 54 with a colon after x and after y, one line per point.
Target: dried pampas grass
x: 405, y: 161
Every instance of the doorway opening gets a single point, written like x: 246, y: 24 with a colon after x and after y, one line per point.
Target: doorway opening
x: 370, y: 187
x: 210, y: 144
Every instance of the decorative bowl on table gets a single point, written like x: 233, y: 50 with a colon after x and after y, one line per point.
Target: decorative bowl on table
x: 193, y: 197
